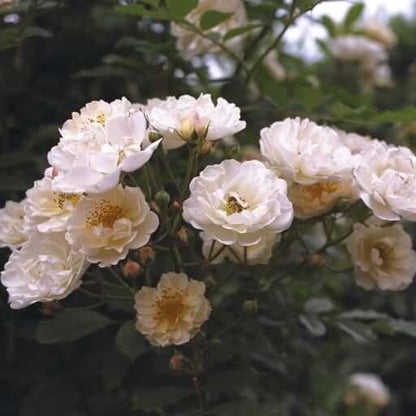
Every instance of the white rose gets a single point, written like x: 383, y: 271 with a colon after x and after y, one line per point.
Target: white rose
x: 321, y: 197
x: 46, y: 268
x: 173, y: 312
x: 387, y: 180
x: 190, y: 44
x: 380, y: 32
x: 259, y: 253
x: 367, y: 388
x: 360, y: 49
x: 355, y: 142
x: 382, y: 256
x: 178, y: 119
x: 46, y: 210
x: 106, y: 226
x: 304, y: 152
x: 12, y: 224
x: 98, y: 144
x: 238, y: 203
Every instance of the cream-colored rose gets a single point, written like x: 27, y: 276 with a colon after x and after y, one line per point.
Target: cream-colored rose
x: 106, y: 226
x: 260, y: 253
x: 386, y: 177
x: 238, y: 203
x: 46, y: 210
x: 190, y: 44
x: 12, y: 224
x: 380, y: 32
x: 301, y: 151
x: 97, y: 144
x: 178, y: 120
x: 46, y: 268
x: 366, y: 388
x: 382, y: 256
x: 173, y: 312
x: 319, y: 198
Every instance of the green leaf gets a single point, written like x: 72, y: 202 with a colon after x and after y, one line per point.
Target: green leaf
x: 318, y: 305
x: 367, y: 315
x: 404, y: 327
x: 180, y: 8
x: 69, y: 326
x: 329, y: 25
x: 404, y: 115
x: 354, y: 13
x: 238, y: 31
x: 212, y: 18
x: 129, y: 341
x: 314, y: 325
x: 360, y: 332
x: 156, y: 398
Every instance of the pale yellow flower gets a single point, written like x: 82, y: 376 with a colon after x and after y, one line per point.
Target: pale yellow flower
x: 319, y: 198
x: 173, y: 312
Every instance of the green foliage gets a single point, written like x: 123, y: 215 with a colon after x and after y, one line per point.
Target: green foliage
x: 282, y: 339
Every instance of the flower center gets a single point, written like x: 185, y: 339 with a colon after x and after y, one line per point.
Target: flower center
x: 171, y: 307
x: 234, y: 204
x: 104, y: 213
x: 61, y: 199
x: 100, y: 118
x: 382, y: 253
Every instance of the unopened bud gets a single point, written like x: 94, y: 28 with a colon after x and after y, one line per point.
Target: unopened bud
x: 146, y: 255
x: 210, y: 281
x: 183, y: 236
x: 176, y: 206
x: 131, y: 269
x: 162, y: 199
x: 316, y: 260
x: 177, y: 362
x: 49, y: 308
x: 207, y: 147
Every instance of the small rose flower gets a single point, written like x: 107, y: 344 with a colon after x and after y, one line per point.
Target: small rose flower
x: 190, y: 44
x: 178, y: 120
x: 46, y: 210
x: 97, y: 144
x: 366, y: 388
x: 106, y: 226
x: 259, y: 253
x: 386, y: 177
x: 46, y: 268
x: 319, y: 198
x: 173, y: 312
x: 238, y: 203
x: 382, y: 256
x: 12, y: 225
x: 301, y: 151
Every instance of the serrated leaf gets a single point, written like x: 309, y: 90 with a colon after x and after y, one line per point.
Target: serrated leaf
x: 403, y: 327
x: 70, y: 325
x: 354, y: 13
x: 180, y: 8
x: 318, y: 305
x: 363, y: 315
x: 358, y: 331
x: 129, y: 341
x: 314, y: 325
x: 212, y: 18
x: 238, y: 31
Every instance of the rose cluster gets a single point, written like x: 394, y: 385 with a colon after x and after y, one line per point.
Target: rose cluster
x: 82, y: 212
